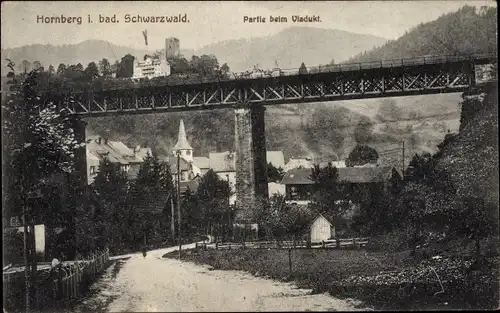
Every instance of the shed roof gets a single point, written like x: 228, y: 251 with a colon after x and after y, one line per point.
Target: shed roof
x: 223, y: 161
x: 276, y: 158
x: 201, y: 162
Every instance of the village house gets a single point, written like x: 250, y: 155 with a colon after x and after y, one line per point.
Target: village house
x: 299, y: 185
x: 117, y: 152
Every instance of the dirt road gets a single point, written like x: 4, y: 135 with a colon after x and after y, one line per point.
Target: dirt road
x: 154, y: 284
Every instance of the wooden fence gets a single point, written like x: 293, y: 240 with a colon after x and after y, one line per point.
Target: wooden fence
x: 65, y: 282
x: 298, y: 244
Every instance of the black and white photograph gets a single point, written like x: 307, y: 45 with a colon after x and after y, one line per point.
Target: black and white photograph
x: 222, y: 156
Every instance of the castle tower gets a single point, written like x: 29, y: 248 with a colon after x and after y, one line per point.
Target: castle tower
x: 183, y: 145
x: 172, y: 47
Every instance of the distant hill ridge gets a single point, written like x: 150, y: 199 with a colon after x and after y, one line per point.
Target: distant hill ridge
x: 290, y: 48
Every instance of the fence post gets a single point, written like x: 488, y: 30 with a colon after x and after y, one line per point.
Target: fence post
x: 337, y: 241
x: 243, y: 245
x: 354, y: 243
x: 290, y: 260
x: 216, y: 245
x: 322, y: 243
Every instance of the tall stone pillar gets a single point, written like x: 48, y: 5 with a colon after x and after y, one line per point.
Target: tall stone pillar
x: 251, y: 163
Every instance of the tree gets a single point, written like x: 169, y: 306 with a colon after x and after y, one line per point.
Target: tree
x: 91, y: 72
x: 179, y: 65
x: 361, y: 155
x: 274, y: 174
x: 51, y: 70
x: 61, y: 69
x: 225, y: 70
x: 115, y: 67
x: 79, y: 67
x: 476, y: 219
x: 204, y: 65
x: 364, y: 130
x: 111, y: 188
x: 213, y: 195
x: 326, y: 190
x: 105, y: 68
x: 303, y: 69
x: 126, y: 66
x: 37, y: 65
x: 25, y: 65
x: 153, y: 186
x: 38, y: 141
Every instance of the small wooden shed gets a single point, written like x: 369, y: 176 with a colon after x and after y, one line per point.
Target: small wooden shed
x: 321, y: 229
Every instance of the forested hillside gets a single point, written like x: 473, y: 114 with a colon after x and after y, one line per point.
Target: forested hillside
x: 469, y: 30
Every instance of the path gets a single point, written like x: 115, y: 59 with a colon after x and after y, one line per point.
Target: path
x: 154, y: 284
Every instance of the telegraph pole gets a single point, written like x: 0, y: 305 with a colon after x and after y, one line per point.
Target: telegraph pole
x: 179, y: 201
x: 172, y: 222
x: 26, y: 262
x: 403, y: 170
x: 228, y: 207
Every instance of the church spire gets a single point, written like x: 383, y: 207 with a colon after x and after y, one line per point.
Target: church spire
x: 182, y: 143
x: 183, y: 146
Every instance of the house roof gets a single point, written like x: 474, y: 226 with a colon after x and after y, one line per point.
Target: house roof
x: 201, y: 162
x: 337, y: 164
x: 191, y: 185
x: 302, y: 176
x: 155, y: 203
x: 223, y: 161
x: 115, y: 151
x: 296, y: 163
x: 276, y: 158
x: 183, y: 165
x: 143, y: 152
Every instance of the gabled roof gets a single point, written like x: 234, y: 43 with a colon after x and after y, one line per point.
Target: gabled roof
x: 201, y: 162
x: 115, y: 151
x: 222, y: 161
x: 302, y: 176
x: 276, y: 158
x: 172, y: 160
x: 298, y: 176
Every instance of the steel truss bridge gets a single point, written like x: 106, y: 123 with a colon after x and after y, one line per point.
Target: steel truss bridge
x: 429, y: 75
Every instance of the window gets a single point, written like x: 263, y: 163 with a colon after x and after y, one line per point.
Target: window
x: 188, y: 152
x: 92, y: 170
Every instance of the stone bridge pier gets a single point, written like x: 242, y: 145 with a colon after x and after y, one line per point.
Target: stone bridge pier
x: 251, y: 162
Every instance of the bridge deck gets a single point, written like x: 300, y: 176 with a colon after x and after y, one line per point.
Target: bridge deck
x: 426, y: 75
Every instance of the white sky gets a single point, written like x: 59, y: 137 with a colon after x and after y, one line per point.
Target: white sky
x: 210, y: 21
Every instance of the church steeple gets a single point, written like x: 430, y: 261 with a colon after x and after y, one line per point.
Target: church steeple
x: 183, y: 144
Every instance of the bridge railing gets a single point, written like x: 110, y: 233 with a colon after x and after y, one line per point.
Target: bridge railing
x: 194, y: 79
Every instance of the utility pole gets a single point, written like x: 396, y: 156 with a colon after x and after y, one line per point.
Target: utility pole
x: 228, y: 207
x: 179, y: 200
x: 172, y: 222
x: 403, y: 170
x: 26, y: 262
